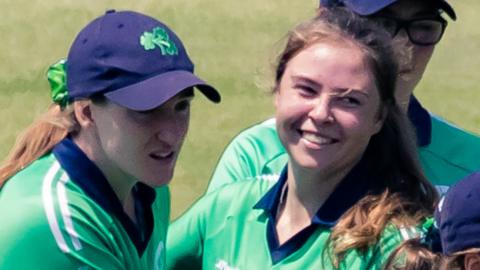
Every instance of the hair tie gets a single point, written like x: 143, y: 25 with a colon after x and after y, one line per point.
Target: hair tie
x: 57, y: 77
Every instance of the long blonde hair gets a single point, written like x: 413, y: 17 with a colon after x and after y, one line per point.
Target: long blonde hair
x: 38, y: 139
x: 399, y: 192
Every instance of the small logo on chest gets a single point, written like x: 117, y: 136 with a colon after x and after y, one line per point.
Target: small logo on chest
x: 223, y: 265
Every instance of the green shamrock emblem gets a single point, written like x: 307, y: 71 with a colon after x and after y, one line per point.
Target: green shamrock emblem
x: 158, y: 38
x: 147, y: 41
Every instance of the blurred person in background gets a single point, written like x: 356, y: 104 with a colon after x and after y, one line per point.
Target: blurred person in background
x: 453, y: 242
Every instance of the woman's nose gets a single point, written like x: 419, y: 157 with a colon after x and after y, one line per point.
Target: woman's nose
x: 171, y: 129
x: 321, y: 111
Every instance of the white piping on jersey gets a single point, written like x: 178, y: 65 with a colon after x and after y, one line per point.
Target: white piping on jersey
x: 49, y: 206
x: 404, y: 234
x: 159, y: 261
x: 409, y: 232
x: 268, y: 177
x: 66, y: 215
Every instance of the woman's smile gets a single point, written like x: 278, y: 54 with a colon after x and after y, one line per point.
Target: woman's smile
x: 315, y: 139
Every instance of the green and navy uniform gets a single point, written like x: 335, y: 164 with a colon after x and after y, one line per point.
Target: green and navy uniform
x: 234, y: 228
x: 61, y: 213
x: 446, y: 152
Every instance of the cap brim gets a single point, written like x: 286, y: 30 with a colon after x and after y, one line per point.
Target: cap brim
x: 155, y: 91
x: 369, y: 7
x: 448, y: 9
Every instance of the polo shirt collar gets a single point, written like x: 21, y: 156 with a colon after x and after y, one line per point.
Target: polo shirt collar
x: 420, y: 118
x: 84, y: 173
x: 270, y: 201
x: 351, y: 189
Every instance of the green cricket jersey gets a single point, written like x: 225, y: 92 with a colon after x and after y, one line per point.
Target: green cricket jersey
x: 61, y: 213
x: 233, y: 228
x: 446, y: 152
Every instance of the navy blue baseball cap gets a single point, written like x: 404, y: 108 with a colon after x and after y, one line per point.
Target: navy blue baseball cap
x: 132, y: 59
x: 369, y: 7
x: 458, y: 216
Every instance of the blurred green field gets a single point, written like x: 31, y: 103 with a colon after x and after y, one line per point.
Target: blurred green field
x: 232, y: 44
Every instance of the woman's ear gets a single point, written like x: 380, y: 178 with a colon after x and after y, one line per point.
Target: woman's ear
x: 83, y: 113
x: 472, y: 261
x: 381, y: 116
x: 275, y: 96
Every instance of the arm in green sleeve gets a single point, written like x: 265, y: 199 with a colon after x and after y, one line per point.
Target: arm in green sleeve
x: 256, y: 153
x: 33, y: 245
x: 234, y: 164
x: 186, y: 236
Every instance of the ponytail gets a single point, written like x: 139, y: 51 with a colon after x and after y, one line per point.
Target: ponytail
x: 38, y: 139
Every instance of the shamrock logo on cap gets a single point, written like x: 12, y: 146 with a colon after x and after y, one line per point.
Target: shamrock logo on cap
x: 158, y: 38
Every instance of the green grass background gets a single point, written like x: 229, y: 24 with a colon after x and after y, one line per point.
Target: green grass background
x: 233, y: 45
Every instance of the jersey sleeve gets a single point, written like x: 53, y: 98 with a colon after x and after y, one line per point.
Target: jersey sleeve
x: 256, y: 153
x: 186, y: 235
x: 34, y: 244
x: 235, y: 163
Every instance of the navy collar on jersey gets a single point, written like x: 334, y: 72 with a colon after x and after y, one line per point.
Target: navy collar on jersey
x: 420, y: 119
x: 351, y: 189
x: 83, y: 172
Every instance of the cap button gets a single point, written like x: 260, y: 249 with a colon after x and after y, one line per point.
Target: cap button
x: 110, y: 11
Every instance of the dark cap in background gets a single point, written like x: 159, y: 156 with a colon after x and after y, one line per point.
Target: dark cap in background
x: 369, y: 7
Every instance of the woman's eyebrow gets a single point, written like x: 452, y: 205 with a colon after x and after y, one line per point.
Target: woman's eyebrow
x: 303, y: 79
x: 345, y: 91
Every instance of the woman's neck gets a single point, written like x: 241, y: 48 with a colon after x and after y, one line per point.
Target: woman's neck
x: 129, y: 207
x: 121, y: 184
x: 307, y: 192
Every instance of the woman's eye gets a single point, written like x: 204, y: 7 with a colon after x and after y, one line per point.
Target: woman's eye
x: 350, y: 101
x: 146, y: 112
x: 305, y: 90
x: 182, y: 105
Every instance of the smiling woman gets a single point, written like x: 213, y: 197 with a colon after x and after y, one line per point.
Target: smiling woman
x: 88, y: 179
x: 327, y: 107
x: 352, y: 183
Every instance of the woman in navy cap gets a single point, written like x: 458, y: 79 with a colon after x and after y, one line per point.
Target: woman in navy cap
x: 453, y: 241
x: 458, y: 220
x: 78, y: 189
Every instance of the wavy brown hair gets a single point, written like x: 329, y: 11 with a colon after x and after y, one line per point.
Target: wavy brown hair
x: 399, y: 193
x: 38, y: 139
x: 414, y: 255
